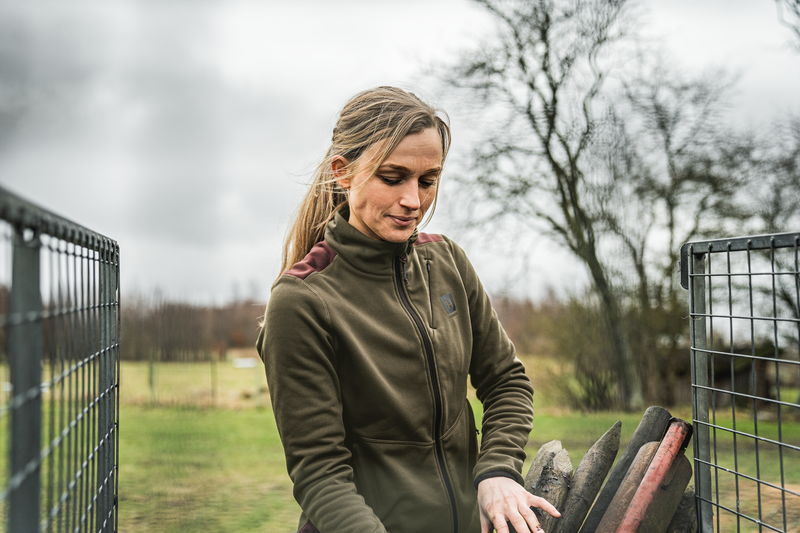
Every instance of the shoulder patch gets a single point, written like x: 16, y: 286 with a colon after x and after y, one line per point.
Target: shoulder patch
x: 425, y: 238
x: 316, y: 260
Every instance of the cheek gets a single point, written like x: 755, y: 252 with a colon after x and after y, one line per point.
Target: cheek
x: 356, y: 200
x: 367, y: 199
x: 359, y: 191
x: 426, y: 197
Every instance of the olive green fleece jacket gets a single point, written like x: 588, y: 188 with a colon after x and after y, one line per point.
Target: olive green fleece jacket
x: 368, y: 346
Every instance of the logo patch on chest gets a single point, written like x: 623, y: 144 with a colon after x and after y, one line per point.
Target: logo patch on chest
x: 449, y: 303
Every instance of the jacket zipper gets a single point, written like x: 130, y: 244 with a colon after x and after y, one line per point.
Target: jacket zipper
x: 430, y: 290
x: 437, y: 400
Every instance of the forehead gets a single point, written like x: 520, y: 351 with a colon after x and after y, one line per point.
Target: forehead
x: 423, y: 148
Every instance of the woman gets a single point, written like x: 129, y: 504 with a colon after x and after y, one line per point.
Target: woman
x: 370, y: 335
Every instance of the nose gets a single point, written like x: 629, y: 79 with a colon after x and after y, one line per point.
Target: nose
x: 409, y: 195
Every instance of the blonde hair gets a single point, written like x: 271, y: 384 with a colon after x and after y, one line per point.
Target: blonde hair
x: 375, y: 115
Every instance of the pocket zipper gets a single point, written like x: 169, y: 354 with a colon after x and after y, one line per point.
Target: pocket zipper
x: 430, y: 291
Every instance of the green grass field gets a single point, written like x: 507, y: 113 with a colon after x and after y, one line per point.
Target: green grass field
x: 201, y: 469
x: 185, y: 466
x: 208, y: 458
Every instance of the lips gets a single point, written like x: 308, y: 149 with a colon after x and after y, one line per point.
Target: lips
x: 402, y: 220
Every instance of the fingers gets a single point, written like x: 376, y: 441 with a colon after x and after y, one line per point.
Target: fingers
x: 495, y: 524
x: 544, y: 505
x: 525, y: 522
x: 486, y: 525
x: 507, y: 507
x: 505, y: 527
x: 531, y: 520
x: 498, y: 527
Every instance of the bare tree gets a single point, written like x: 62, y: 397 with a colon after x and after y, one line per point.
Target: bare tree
x: 775, y: 200
x: 776, y: 196
x: 542, y: 81
x: 669, y: 172
x: 789, y: 15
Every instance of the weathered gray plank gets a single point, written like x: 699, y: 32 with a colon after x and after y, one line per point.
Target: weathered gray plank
x: 651, y: 428
x: 543, y: 456
x: 685, y: 518
x: 553, y: 486
x: 588, y: 479
x: 668, y: 497
x: 619, y: 504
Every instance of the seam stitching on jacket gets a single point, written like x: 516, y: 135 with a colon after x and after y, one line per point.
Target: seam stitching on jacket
x: 399, y: 442
x: 418, y: 246
x: 314, y: 272
x: 324, y: 306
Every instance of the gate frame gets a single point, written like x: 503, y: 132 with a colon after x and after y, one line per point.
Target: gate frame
x: 25, y: 326
x: 694, y: 257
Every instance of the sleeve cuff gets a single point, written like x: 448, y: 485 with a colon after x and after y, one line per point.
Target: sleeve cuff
x: 496, y: 473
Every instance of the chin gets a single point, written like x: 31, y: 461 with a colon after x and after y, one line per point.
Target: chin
x: 397, y: 236
x: 397, y: 239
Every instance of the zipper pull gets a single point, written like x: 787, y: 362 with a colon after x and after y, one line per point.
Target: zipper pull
x: 428, y: 264
x: 403, y: 259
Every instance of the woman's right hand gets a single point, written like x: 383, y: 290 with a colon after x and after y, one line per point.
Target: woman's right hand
x: 505, y: 505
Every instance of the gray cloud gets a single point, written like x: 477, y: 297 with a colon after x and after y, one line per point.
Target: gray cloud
x: 186, y: 129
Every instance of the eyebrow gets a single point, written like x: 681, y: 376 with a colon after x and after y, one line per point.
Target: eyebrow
x: 406, y: 170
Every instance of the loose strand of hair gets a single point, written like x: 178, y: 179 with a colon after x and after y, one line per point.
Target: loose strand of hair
x: 319, y: 206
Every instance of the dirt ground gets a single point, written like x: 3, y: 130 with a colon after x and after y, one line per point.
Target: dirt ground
x: 773, y: 503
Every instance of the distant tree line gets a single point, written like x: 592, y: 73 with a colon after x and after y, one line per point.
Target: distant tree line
x: 155, y: 328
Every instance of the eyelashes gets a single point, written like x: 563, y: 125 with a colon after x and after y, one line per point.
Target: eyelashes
x: 424, y: 184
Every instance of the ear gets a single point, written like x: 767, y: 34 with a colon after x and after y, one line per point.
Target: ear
x: 340, y: 171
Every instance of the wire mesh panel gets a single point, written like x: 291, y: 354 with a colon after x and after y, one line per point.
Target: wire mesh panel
x: 745, y: 337
x: 59, y: 407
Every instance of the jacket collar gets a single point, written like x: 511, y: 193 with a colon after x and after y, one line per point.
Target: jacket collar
x: 359, y: 250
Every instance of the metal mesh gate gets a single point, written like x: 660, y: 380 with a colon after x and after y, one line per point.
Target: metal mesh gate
x: 745, y: 316
x: 59, y: 368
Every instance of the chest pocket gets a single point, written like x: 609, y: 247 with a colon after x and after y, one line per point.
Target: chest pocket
x: 450, y: 323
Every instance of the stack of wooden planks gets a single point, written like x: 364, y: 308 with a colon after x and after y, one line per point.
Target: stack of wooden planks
x: 647, y: 491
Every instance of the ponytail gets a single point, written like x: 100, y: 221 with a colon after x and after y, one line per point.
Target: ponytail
x: 320, y: 204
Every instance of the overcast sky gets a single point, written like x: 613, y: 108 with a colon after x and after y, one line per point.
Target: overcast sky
x: 186, y: 129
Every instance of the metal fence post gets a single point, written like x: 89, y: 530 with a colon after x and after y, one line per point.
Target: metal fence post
x: 118, y: 352
x: 106, y: 388
x: 700, y: 403
x: 26, y: 347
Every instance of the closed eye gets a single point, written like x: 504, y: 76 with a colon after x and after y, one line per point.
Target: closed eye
x: 389, y: 181
x: 424, y: 183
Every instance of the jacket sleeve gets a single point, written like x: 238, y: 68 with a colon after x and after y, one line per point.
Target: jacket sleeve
x: 500, y: 382
x: 298, y: 349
